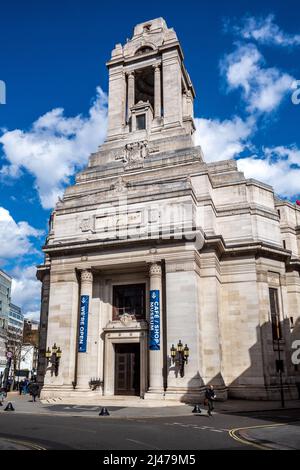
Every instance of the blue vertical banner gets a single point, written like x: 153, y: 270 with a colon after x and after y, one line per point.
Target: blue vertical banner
x: 83, y: 323
x: 154, y: 343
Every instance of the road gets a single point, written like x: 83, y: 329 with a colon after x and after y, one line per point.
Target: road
x: 194, y: 432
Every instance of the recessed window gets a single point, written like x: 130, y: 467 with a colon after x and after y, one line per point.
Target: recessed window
x: 143, y: 50
x: 129, y: 299
x: 275, y: 318
x: 141, y: 122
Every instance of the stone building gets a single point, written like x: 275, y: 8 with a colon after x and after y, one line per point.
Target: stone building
x: 15, y: 327
x: 152, y: 245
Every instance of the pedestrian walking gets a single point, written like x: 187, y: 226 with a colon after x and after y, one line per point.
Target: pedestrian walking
x: 210, y: 396
x: 21, y: 385
x: 3, y: 394
x: 33, y: 389
x: 25, y: 387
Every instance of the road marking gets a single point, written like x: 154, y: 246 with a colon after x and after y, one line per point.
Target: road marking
x: 196, y: 426
x: 233, y: 433
x: 143, y: 444
x: 25, y: 443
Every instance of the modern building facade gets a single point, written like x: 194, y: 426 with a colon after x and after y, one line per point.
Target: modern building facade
x: 5, y: 295
x: 152, y: 245
x: 15, y: 327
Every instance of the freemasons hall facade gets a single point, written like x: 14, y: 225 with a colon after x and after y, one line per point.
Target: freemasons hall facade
x: 164, y: 273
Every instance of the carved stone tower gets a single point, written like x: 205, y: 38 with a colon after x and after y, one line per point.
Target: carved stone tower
x: 150, y: 95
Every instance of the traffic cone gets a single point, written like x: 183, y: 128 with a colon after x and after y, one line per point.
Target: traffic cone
x: 196, y: 409
x: 9, y: 407
x: 104, y: 412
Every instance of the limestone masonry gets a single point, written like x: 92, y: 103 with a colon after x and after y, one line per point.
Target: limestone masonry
x: 149, y: 219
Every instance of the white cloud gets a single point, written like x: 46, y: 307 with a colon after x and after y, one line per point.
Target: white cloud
x: 55, y: 147
x: 26, y: 291
x: 15, y: 237
x: 263, y: 88
x: 222, y: 140
x: 278, y: 167
x: 266, y: 31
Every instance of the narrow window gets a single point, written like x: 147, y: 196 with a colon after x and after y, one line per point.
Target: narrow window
x: 275, y: 318
x: 141, y: 122
x: 284, y: 244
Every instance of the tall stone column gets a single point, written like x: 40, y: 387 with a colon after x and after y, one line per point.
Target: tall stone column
x: 156, y: 381
x: 157, y: 91
x: 62, y: 329
x: 83, y: 375
x: 42, y: 362
x: 131, y: 93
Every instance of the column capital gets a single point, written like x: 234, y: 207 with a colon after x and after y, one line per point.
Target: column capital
x: 155, y: 270
x: 86, y: 276
x: 156, y: 67
x: 130, y: 74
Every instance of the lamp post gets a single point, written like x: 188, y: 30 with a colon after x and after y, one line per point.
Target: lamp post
x: 179, y: 356
x: 54, y: 356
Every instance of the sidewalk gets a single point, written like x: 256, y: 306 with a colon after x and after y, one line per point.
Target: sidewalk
x: 123, y: 408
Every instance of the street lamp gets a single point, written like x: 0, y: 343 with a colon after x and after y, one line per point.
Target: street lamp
x: 180, y: 356
x: 54, y: 356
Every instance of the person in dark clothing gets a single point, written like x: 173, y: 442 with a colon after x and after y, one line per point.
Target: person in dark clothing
x: 33, y: 390
x: 21, y: 385
x: 210, y: 396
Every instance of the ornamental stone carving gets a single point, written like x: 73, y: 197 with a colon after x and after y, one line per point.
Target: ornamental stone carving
x: 86, y: 276
x: 87, y: 224
x: 120, y: 186
x: 127, y: 318
x: 134, y: 154
x: 155, y: 270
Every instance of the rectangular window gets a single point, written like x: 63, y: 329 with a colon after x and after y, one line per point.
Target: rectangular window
x: 129, y: 299
x: 141, y: 122
x: 275, y: 317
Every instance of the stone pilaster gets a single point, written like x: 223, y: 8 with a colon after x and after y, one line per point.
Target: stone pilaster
x: 62, y: 327
x: 131, y: 92
x: 157, y: 92
x: 42, y: 361
x: 156, y: 357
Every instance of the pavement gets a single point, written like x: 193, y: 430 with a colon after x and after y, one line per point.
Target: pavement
x: 255, y: 430
x: 236, y: 424
x: 132, y: 407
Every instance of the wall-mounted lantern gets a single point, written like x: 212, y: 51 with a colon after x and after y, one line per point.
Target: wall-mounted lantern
x: 180, y: 356
x: 53, y: 357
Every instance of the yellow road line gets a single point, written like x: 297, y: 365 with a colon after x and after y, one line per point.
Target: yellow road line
x: 233, y: 434
x: 25, y: 443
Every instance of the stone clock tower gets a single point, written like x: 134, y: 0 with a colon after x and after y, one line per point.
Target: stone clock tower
x: 152, y: 246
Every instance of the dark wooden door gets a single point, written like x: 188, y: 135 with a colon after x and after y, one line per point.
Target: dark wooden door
x: 127, y: 369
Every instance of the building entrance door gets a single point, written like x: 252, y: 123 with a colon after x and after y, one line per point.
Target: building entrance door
x: 127, y: 369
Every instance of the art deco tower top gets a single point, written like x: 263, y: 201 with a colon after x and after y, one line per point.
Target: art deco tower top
x: 150, y: 92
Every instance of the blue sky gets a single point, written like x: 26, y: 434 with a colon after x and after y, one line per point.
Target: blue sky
x: 243, y: 58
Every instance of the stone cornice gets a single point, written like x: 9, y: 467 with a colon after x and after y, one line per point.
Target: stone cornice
x: 42, y: 270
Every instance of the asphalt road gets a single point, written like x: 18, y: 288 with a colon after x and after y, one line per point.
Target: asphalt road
x: 194, y: 432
